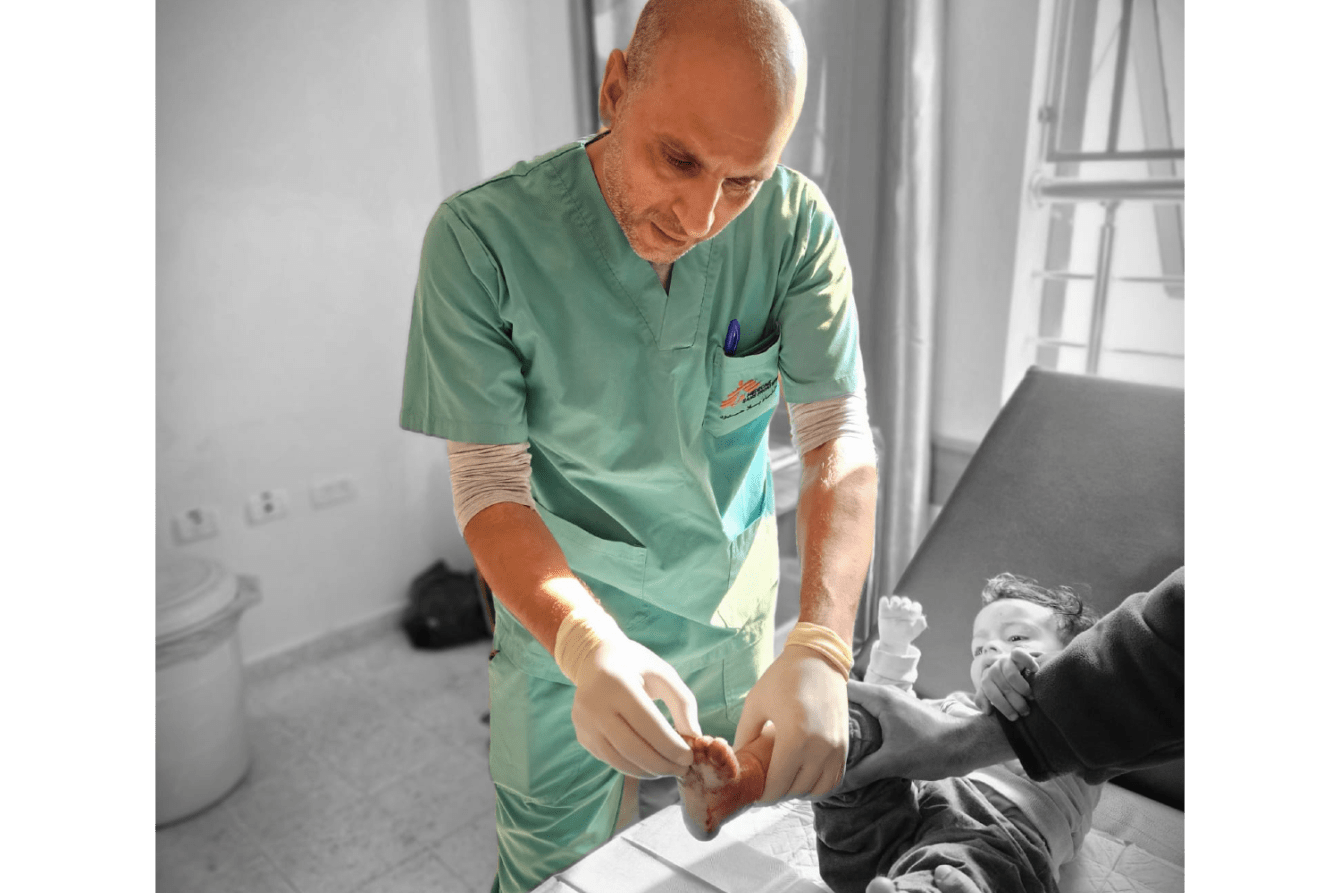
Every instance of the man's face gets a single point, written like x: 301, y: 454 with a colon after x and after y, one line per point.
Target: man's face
x: 1007, y: 624
x: 689, y: 147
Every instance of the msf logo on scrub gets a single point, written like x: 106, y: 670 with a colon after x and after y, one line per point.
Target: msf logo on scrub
x: 743, y: 392
x: 746, y: 396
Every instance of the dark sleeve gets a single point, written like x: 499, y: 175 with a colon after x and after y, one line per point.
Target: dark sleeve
x: 1112, y: 701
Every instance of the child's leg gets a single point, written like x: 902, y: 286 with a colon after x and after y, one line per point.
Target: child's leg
x: 960, y: 827
x: 861, y: 833
x: 992, y: 869
x: 863, y: 734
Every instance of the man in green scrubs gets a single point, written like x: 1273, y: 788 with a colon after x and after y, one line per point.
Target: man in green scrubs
x: 602, y: 335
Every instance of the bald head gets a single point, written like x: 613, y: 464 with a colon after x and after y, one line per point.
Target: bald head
x: 762, y: 32
x: 699, y: 110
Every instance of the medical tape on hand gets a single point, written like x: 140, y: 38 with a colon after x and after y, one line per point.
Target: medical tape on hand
x: 585, y: 627
x: 826, y: 642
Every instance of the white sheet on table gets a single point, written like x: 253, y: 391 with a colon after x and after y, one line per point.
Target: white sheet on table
x: 1157, y: 829
x: 1136, y: 846
x: 660, y: 855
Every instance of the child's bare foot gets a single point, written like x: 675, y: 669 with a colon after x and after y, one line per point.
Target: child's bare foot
x: 722, y: 782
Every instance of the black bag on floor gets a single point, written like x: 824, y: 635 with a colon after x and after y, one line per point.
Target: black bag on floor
x: 447, y: 608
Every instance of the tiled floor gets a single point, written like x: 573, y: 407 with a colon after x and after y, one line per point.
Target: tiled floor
x: 369, y: 773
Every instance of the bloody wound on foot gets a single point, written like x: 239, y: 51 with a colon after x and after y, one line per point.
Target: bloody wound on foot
x: 723, y: 782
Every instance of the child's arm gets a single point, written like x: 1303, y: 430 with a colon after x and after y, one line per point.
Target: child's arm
x: 894, y: 658
x: 1007, y: 684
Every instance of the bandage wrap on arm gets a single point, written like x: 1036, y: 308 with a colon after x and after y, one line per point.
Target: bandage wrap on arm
x: 828, y: 644
x: 814, y: 424
x: 585, y: 627
x: 483, y: 474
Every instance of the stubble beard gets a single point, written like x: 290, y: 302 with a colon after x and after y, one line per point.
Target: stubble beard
x: 617, y: 198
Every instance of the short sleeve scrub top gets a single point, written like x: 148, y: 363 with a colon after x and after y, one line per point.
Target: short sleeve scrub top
x: 534, y: 321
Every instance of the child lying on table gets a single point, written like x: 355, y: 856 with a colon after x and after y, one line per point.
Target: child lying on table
x: 1005, y: 831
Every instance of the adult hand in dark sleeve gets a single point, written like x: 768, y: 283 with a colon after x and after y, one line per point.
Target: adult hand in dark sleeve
x: 920, y: 740
x: 1113, y: 700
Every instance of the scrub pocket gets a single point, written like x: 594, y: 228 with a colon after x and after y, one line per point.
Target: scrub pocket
x: 620, y: 565
x: 742, y: 388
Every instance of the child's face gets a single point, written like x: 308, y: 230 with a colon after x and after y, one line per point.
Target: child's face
x: 1007, y: 624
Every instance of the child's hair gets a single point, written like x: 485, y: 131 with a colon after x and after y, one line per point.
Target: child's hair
x: 1073, y: 616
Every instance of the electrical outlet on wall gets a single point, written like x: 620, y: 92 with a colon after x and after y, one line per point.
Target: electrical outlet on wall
x: 330, y: 491
x: 195, y: 524
x: 267, y: 505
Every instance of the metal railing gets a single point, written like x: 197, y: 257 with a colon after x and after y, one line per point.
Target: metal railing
x: 1111, y: 194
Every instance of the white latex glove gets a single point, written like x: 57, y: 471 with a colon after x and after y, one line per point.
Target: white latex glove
x: 615, y: 718
x: 805, y: 697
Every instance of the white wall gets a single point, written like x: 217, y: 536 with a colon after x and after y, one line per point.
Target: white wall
x: 302, y: 148
x: 525, y: 74
x: 988, y: 68
x: 987, y: 78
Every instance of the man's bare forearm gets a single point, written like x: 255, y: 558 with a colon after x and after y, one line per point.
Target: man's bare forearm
x: 921, y: 740
x: 835, y: 530
x: 525, y: 568
x: 978, y: 742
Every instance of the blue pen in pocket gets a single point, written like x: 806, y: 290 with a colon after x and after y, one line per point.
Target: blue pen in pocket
x: 732, y: 337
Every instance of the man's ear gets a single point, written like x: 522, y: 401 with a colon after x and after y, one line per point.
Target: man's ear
x: 614, y: 87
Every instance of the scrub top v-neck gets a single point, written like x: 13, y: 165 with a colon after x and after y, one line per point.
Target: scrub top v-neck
x: 534, y: 321
x: 672, y: 316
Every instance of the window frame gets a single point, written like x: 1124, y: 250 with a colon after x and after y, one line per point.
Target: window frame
x: 1053, y: 187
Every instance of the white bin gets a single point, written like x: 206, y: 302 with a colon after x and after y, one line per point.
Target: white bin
x: 200, y: 725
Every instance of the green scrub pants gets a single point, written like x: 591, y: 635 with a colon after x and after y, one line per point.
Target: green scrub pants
x: 556, y: 802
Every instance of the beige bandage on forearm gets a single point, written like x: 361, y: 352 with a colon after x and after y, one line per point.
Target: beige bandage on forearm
x: 826, y: 642
x: 585, y: 627
x: 483, y: 474
x: 814, y: 424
